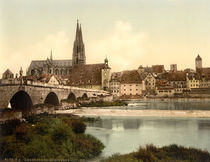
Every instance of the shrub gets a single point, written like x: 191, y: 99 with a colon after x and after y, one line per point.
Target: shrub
x: 21, y: 132
x: 78, y: 126
x: 41, y: 128
x: 145, y: 155
x: 59, y: 134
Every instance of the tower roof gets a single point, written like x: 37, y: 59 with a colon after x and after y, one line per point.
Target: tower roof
x: 198, y: 57
x: 79, y: 32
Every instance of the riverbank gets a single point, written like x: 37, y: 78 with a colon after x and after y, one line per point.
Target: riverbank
x: 166, y: 153
x: 142, y: 113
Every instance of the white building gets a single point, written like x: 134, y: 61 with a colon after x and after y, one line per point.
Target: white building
x: 131, y: 84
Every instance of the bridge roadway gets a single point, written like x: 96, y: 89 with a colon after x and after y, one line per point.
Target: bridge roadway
x: 25, y: 96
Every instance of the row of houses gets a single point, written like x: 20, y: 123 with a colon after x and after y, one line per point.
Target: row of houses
x: 159, y: 83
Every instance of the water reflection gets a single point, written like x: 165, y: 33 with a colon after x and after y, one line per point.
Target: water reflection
x: 126, y: 134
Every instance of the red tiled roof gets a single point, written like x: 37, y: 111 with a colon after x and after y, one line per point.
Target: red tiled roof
x: 89, y: 74
x: 176, y: 76
x: 42, y: 78
x: 116, y: 76
x: 7, y: 72
x: 204, y: 73
x: 131, y: 77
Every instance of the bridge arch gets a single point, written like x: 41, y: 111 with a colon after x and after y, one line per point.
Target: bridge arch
x: 21, y: 101
x: 52, y: 99
x: 85, y: 96
x: 72, y: 97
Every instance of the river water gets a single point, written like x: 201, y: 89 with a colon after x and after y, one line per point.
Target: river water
x: 126, y: 134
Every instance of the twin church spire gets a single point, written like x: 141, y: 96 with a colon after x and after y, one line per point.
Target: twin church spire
x: 78, y: 57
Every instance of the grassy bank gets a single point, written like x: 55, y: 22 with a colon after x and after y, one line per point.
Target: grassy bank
x: 104, y: 104
x: 48, y: 137
x: 172, y: 153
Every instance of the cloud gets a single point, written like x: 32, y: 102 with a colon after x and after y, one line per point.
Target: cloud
x: 59, y: 42
x: 123, y: 46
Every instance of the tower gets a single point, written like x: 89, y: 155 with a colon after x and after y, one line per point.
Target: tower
x: 78, y: 57
x: 106, y: 75
x: 198, y: 62
x: 173, y: 67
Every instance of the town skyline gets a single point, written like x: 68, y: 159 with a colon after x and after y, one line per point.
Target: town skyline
x: 144, y: 35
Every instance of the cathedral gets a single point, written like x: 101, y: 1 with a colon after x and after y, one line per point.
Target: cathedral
x: 79, y: 74
x: 61, y: 67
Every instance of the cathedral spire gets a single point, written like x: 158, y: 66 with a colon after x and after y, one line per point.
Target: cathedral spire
x: 80, y: 33
x: 51, y: 56
x: 78, y: 56
x: 77, y: 31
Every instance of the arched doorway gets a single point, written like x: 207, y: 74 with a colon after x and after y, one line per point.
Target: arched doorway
x: 52, y: 99
x: 71, y: 97
x: 21, y: 101
x: 85, y: 96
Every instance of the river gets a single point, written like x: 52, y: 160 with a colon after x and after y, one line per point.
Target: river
x: 126, y: 134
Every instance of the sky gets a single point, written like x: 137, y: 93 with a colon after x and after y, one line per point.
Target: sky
x: 129, y: 32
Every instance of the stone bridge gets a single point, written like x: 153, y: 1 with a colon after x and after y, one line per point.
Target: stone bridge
x: 24, y: 96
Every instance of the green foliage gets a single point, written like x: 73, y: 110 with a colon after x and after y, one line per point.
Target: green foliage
x: 171, y: 153
x: 49, y: 137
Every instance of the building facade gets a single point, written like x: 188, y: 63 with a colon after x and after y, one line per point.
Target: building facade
x: 7, y: 75
x: 150, y: 81
x: 131, y: 84
x: 115, y: 84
